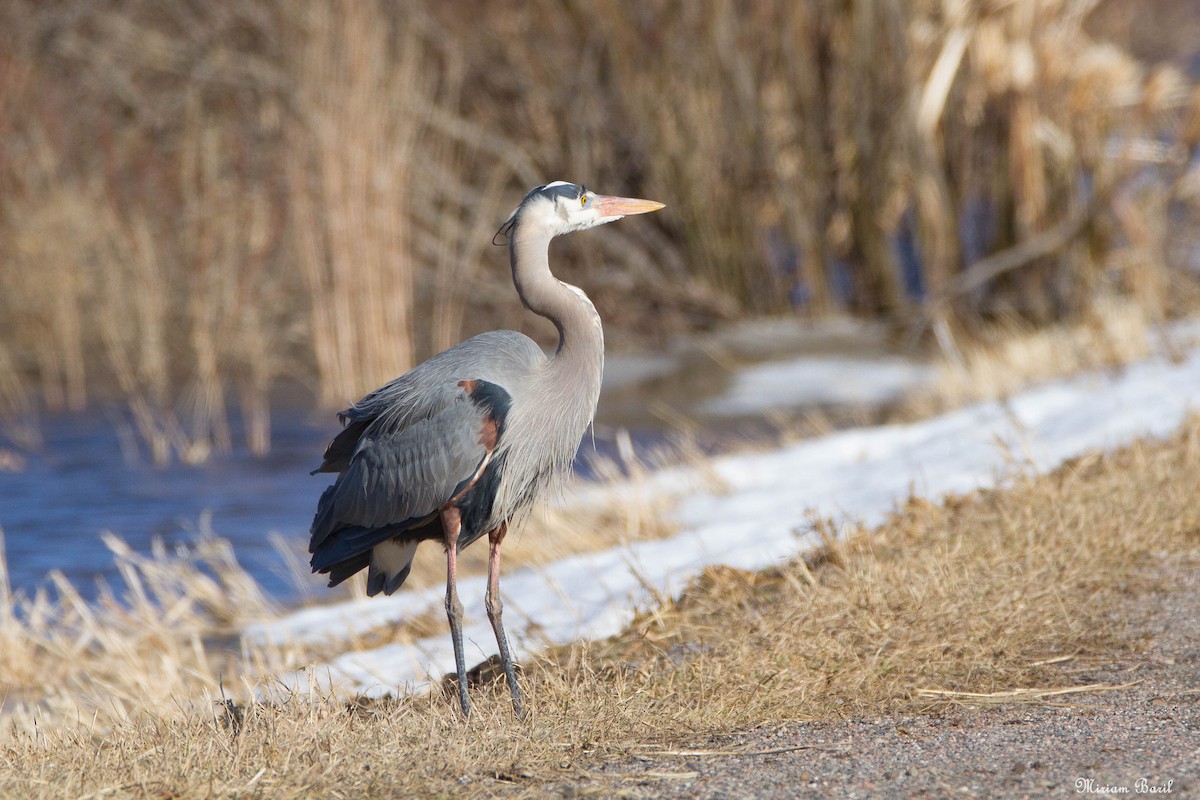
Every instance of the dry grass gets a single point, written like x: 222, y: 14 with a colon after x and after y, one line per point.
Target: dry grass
x: 145, y: 644
x: 1013, y: 355
x: 976, y: 598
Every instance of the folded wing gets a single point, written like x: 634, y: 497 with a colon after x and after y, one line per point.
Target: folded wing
x: 397, y: 479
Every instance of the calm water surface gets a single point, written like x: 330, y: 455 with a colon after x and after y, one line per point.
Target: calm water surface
x: 78, y: 485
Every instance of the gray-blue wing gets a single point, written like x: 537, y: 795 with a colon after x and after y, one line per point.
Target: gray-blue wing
x: 499, y: 357
x: 399, y: 479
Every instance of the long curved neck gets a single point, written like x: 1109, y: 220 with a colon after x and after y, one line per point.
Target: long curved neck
x: 580, y: 337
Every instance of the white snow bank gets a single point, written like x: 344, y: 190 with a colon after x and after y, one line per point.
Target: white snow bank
x: 762, y: 519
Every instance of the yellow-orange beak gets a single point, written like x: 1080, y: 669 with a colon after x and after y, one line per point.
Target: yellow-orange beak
x: 625, y: 206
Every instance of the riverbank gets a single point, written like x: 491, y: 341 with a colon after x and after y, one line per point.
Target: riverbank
x: 926, y: 654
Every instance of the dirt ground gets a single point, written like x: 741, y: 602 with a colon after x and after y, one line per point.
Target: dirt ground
x: 1143, y: 739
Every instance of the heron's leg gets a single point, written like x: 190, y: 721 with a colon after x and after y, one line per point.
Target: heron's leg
x: 495, y: 609
x: 451, y: 524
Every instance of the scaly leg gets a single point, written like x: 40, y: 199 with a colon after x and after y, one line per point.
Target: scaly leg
x: 451, y: 524
x: 495, y: 609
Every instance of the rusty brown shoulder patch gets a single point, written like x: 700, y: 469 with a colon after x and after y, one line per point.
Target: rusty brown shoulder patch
x: 494, y: 403
x: 489, y: 432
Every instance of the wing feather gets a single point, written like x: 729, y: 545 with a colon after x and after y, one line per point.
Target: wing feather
x: 499, y: 357
x: 397, y: 477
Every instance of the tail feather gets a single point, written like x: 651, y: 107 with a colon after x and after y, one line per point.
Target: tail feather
x: 344, y: 569
x: 391, y: 562
x: 387, y: 552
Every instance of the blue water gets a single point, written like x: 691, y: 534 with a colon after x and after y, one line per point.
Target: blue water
x: 78, y: 485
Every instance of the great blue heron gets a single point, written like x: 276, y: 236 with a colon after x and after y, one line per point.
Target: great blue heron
x: 462, y: 445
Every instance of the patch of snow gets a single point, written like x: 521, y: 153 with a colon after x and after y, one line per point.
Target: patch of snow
x: 762, y: 519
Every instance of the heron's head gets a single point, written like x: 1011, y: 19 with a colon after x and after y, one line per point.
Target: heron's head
x: 562, y: 207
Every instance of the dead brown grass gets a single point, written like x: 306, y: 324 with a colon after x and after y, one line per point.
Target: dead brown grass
x: 986, y: 594
x: 1013, y: 355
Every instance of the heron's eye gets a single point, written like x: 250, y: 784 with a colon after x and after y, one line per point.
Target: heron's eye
x: 583, y: 201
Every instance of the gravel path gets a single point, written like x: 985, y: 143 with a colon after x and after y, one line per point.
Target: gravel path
x: 1127, y: 742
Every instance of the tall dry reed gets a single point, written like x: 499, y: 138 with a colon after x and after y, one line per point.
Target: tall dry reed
x: 197, y: 201
x: 356, y: 70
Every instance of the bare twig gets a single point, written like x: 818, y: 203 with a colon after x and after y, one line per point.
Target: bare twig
x: 1017, y: 695
x: 987, y: 269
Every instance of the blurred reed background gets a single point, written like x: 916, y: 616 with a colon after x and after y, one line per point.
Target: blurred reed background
x: 210, y: 208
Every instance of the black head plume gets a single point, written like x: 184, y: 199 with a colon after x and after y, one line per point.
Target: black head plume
x: 550, y: 190
x: 502, y: 236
